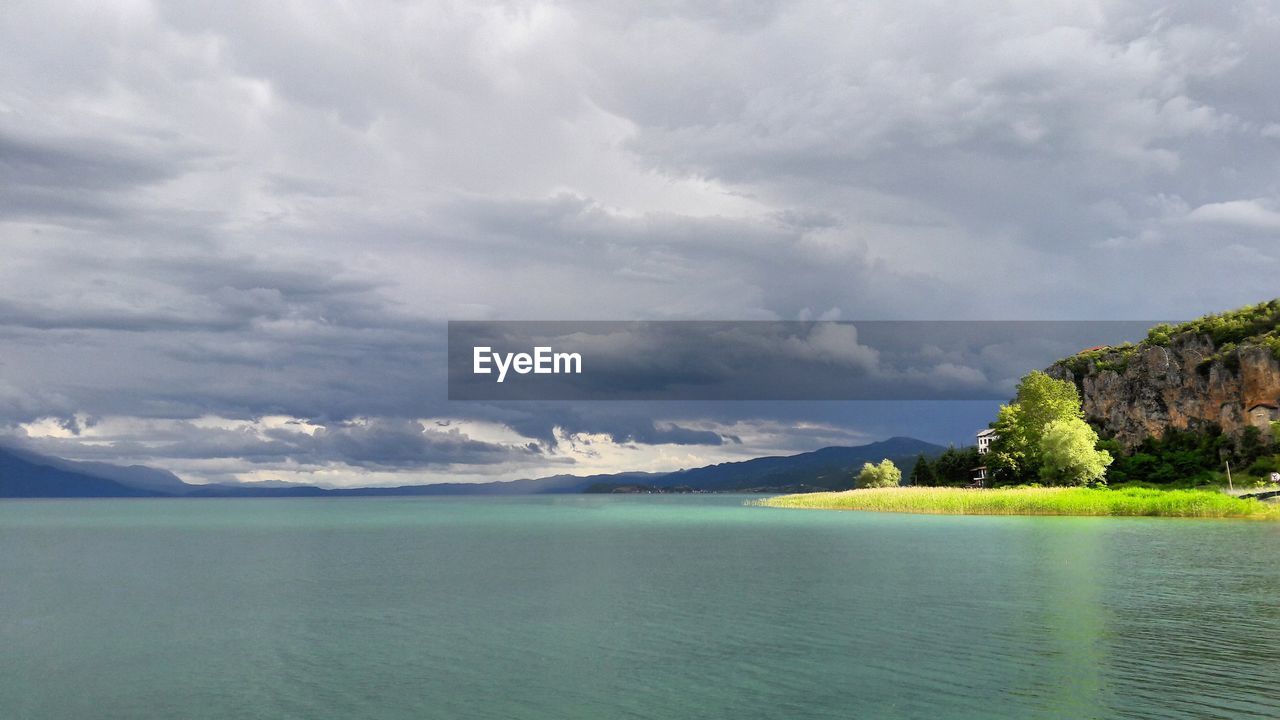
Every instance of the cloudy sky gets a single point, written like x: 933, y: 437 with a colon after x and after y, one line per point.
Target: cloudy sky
x: 232, y: 232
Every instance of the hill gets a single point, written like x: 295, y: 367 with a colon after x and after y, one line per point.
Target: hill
x: 135, y: 476
x: 22, y: 475
x: 831, y: 468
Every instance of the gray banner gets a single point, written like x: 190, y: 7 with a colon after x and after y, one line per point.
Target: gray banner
x: 762, y: 360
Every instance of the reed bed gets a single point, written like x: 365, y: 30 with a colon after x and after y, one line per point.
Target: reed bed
x: 1034, y: 501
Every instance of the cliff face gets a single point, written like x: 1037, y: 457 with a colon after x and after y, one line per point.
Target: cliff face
x: 1140, y: 391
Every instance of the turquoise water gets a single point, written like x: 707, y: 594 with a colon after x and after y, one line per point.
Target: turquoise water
x: 626, y: 607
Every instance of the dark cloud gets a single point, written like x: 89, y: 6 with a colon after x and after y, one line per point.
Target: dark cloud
x: 72, y: 177
x: 407, y: 444
x: 759, y: 360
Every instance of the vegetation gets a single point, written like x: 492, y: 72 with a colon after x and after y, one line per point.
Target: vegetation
x: 1102, y: 359
x: 1252, y: 322
x: 886, y: 474
x: 1258, y: 473
x: 1069, y: 454
x: 1197, y: 457
x: 1230, y: 331
x: 1042, y: 437
x: 1035, y: 501
x: 951, y: 468
x: 922, y: 473
x: 1042, y: 434
x: 1161, y: 335
x: 1192, y: 458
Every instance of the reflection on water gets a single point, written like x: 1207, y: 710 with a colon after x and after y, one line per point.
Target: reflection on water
x: 626, y: 607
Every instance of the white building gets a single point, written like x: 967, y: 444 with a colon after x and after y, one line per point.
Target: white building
x: 985, y: 438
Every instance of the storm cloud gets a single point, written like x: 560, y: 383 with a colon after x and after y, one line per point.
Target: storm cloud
x: 232, y: 233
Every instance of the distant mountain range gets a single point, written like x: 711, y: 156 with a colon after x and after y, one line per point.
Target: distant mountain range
x: 25, y: 474
x: 831, y: 468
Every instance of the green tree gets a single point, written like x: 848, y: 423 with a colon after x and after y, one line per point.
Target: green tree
x: 922, y: 474
x: 1041, y: 400
x: 886, y: 474
x: 1010, y: 453
x: 1069, y: 454
x: 1251, y: 446
x: 954, y: 465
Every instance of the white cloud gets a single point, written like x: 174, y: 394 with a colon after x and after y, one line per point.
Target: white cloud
x: 836, y: 344
x: 1254, y: 214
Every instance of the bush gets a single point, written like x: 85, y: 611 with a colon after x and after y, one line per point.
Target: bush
x: 1248, y: 322
x: 1264, y: 466
x: 886, y: 474
x: 1160, y: 334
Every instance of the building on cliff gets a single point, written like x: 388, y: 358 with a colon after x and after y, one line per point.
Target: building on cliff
x: 1262, y: 414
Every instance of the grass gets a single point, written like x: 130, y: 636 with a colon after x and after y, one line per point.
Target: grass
x: 1034, y: 501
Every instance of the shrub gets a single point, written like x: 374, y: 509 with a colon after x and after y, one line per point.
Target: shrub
x: 886, y: 474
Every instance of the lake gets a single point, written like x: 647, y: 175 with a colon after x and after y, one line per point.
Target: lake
x: 626, y: 607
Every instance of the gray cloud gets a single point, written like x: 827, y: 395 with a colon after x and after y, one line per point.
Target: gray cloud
x: 755, y: 360
x: 374, y: 444
x: 71, y: 177
x: 237, y: 210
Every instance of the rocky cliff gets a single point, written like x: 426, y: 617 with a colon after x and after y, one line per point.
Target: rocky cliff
x: 1181, y: 379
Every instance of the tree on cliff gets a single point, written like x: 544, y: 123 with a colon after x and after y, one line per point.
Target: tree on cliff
x: 886, y: 474
x: 1019, y: 453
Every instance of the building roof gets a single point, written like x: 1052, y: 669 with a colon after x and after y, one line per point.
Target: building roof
x: 1095, y: 348
x: 991, y: 431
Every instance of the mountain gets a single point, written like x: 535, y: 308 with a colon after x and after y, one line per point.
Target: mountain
x: 22, y: 476
x: 27, y: 474
x: 829, y: 468
x: 1220, y: 370
x: 135, y: 476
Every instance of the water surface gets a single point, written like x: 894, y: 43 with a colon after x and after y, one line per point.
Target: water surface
x: 626, y: 607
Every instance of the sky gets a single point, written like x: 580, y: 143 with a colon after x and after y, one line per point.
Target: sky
x: 233, y: 232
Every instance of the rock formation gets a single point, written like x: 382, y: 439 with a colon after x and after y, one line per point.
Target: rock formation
x: 1138, y: 391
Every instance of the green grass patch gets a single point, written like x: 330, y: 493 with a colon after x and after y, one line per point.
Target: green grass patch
x: 1131, y: 501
